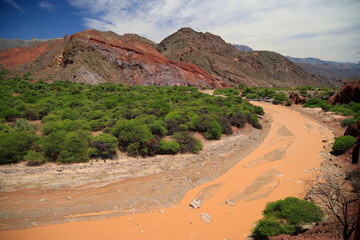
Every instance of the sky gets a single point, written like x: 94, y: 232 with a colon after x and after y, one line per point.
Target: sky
x: 325, y: 29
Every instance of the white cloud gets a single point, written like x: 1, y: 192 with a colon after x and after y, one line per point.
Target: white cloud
x: 46, y: 5
x: 13, y: 3
x: 327, y: 29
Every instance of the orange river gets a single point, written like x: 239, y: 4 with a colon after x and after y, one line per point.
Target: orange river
x: 278, y: 168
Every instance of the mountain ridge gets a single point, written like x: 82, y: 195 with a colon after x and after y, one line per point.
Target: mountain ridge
x: 259, y: 68
x: 185, y: 58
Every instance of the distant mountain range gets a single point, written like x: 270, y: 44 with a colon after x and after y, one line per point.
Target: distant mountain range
x: 14, y: 43
x: 243, y: 48
x: 185, y: 58
x: 327, y: 69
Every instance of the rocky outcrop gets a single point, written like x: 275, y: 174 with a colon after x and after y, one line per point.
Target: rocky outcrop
x: 297, y: 99
x: 349, y: 92
x: 85, y: 76
x: 353, y: 130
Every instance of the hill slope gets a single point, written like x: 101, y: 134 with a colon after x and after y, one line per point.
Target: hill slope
x: 213, y: 54
x: 93, y: 57
x: 328, y: 69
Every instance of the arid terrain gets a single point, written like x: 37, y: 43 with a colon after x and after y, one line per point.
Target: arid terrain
x: 148, y: 198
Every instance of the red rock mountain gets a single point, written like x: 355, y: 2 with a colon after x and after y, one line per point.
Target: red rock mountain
x: 93, y: 57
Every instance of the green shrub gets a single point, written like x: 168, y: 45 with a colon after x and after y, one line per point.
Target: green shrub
x: 270, y: 227
x: 188, y: 143
x: 34, y: 158
x: 348, y: 122
x: 158, y: 128
x: 209, y: 127
x: 166, y: 147
x: 284, y: 216
x: 14, y: 145
x: 75, y: 147
x: 279, y: 98
x: 133, y: 134
x: 53, y: 144
x: 105, y: 145
x: 294, y: 211
x: 313, y: 102
x: 252, y: 96
x: 343, y: 143
x: 10, y: 114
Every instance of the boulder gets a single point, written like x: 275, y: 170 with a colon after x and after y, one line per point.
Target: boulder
x: 349, y: 92
x: 195, y: 203
x: 297, y: 99
x: 206, y: 217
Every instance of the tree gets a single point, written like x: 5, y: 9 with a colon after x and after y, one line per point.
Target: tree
x: 338, y: 200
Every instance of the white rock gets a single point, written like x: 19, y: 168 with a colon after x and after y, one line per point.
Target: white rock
x: 195, y: 203
x: 206, y: 217
x: 228, y: 202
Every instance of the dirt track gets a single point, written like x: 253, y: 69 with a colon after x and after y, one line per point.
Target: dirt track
x: 289, y: 155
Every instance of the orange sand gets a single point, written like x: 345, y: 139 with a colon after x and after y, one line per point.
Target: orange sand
x: 273, y: 171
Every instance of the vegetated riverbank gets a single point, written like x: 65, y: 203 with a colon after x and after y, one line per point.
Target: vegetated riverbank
x: 118, y: 186
x: 277, y: 168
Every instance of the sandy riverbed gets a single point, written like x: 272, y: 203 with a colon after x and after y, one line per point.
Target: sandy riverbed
x: 279, y: 167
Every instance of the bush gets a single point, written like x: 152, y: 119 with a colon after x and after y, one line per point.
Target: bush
x: 252, y: 96
x: 133, y: 134
x: 238, y: 120
x: 313, y: 102
x: 279, y: 98
x: 348, y: 122
x: 284, y: 216
x: 75, y: 147
x: 34, y: 158
x: 10, y: 114
x: 14, y: 145
x: 341, y: 144
x: 105, y: 145
x: 270, y: 227
x: 166, y: 147
x: 53, y: 144
x: 158, y: 128
x: 294, y: 211
x: 209, y: 127
x: 188, y: 143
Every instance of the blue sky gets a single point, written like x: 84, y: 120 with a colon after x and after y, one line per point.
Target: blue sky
x: 25, y: 19
x: 325, y: 29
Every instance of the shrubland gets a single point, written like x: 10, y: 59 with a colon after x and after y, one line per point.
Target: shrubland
x: 135, y: 119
